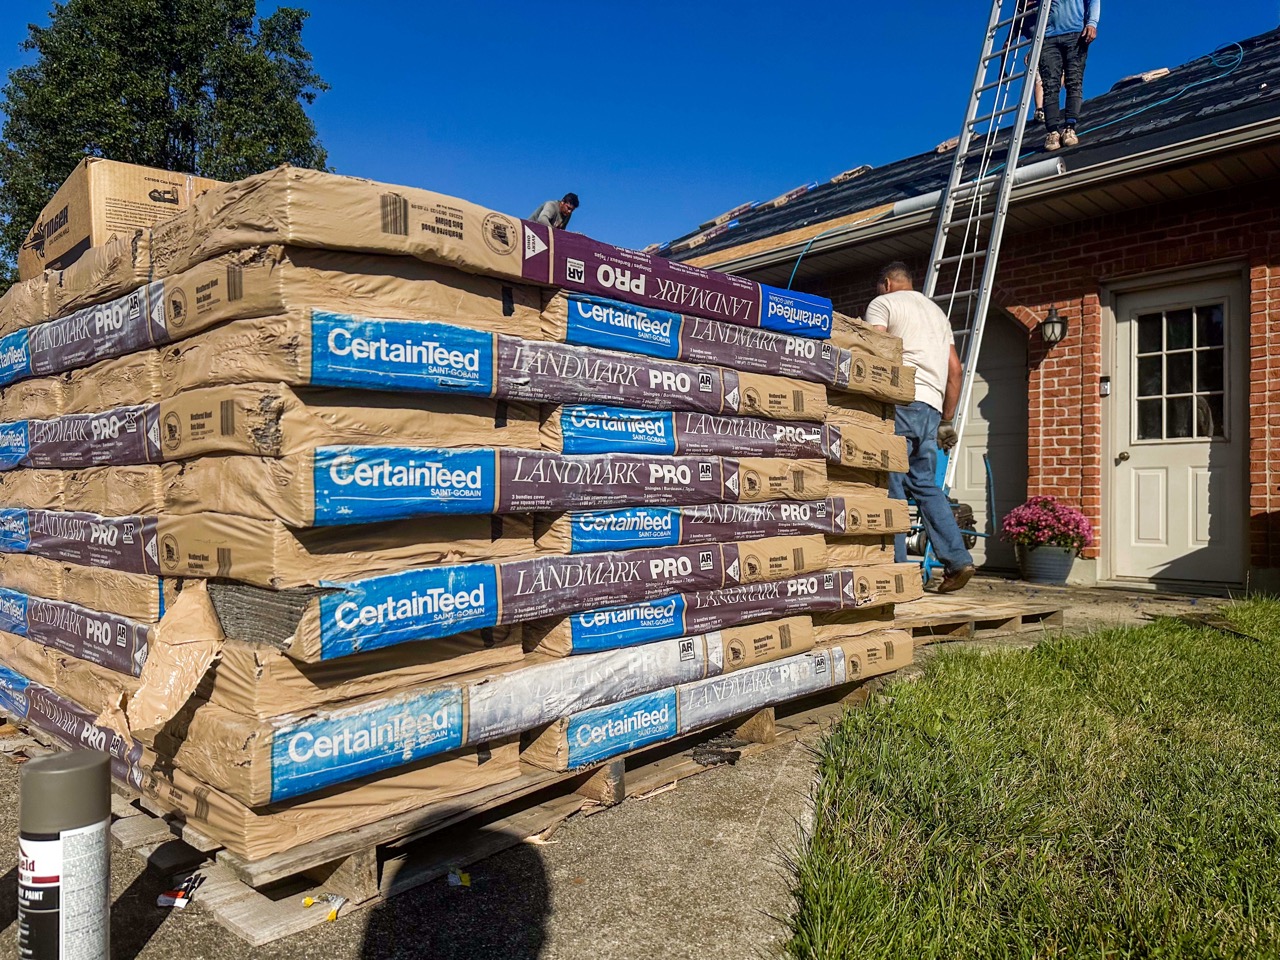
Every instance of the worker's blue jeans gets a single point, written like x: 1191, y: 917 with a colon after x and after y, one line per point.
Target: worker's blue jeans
x: 918, y: 422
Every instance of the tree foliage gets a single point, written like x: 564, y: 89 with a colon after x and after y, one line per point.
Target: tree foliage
x: 198, y: 86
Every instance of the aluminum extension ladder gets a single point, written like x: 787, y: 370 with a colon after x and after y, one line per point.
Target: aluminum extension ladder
x: 975, y: 202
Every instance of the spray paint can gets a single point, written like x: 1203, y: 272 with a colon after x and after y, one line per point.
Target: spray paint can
x: 64, y: 857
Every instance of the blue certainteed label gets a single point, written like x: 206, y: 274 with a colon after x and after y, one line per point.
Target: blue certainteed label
x: 13, y: 611
x: 415, y: 605
x: 603, y: 732
x: 613, y: 627
x: 15, y: 357
x: 13, y: 692
x: 589, y: 428
x: 614, y: 325
x: 320, y: 751
x: 15, y: 530
x: 15, y: 444
x: 592, y: 531
x: 799, y: 313
x: 363, y: 484
x: 400, y: 355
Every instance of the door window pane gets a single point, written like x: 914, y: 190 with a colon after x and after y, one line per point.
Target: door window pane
x: 1150, y: 420
x: 1177, y: 411
x: 1209, y: 370
x: 1150, y: 377
x: 1150, y: 333
x: 1177, y: 373
x: 1209, y: 414
x: 1177, y: 330
x: 1209, y: 325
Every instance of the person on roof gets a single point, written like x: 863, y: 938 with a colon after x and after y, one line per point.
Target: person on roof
x: 928, y: 345
x: 1073, y: 25
x: 556, y: 213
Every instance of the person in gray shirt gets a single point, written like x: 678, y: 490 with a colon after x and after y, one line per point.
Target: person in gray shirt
x: 556, y: 213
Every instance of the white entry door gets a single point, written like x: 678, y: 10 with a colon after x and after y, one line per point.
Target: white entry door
x: 1179, y: 435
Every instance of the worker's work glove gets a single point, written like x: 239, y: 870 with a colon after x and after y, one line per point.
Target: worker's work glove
x: 947, y: 436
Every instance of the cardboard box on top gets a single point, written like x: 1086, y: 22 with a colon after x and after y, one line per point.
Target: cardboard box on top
x: 103, y: 198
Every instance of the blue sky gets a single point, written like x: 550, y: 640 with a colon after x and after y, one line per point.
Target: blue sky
x: 663, y: 114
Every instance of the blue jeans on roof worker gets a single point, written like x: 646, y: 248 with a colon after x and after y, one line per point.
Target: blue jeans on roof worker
x: 918, y: 422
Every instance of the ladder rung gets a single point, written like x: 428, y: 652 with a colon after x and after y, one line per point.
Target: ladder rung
x: 1003, y: 51
x: 965, y: 221
x: 960, y: 258
x: 1001, y: 82
x: 999, y: 113
x: 958, y: 294
x: 1014, y: 19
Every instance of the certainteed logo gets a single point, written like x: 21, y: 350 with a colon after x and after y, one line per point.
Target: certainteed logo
x: 347, y: 470
x: 44, y: 231
x: 350, y: 615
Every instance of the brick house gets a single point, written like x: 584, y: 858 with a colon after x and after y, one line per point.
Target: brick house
x: 1159, y: 412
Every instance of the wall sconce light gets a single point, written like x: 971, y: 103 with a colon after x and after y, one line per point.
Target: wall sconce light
x: 1053, y: 327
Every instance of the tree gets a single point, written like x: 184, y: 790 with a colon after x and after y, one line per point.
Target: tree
x: 197, y: 86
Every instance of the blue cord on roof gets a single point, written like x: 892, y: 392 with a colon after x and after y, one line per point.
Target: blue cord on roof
x: 1215, y: 58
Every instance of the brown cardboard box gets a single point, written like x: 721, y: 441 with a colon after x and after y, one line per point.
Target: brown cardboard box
x: 875, y: 377
x: 133, y: 595
x: 263, y: 281
x: 24, y: 304
x: 272, y: 420
x: 257, y: 680
x: 257, y: 833
x: 264, y: 552
x: 853, y: 333
x: 103, y: 198
x: 874, y: 654
x: 36, y: 399
x: 102, y: 273
x: 864, y: 447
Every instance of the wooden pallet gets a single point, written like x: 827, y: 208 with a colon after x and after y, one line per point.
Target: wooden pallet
x: 261, y: 901
x: 935, y: 618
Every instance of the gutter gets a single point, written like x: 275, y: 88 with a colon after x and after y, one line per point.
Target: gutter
x: 909, y: 219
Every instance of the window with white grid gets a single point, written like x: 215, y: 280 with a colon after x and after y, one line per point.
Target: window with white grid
x: 1179, y: 374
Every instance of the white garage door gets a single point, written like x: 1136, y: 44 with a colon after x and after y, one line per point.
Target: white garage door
x: 997, y: 427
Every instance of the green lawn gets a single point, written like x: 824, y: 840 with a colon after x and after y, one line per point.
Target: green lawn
x: 1114, y: 795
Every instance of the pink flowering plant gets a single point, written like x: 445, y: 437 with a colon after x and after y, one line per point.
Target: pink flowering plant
x: 1045, y: 520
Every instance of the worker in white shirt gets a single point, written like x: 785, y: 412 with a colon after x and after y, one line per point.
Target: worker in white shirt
x: 928, y: 345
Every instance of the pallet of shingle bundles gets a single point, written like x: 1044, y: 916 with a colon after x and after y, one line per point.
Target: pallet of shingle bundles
x: 262, y: 419
x: 257, y: 832
x: 592, y: 736
x: 260, y: 761
x: 342, y: 619
x: 859, y: 594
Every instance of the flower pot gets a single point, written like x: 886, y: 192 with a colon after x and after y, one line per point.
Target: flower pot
x: 1046, y: 563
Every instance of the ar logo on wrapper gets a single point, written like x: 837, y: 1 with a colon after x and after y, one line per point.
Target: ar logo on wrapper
x: 172, y: 430
x: 704, y: 472
x: 687, y: 651
x: 500, y: 234
x: 575, y: 271
x: 705, y: 560
x: 178, y: 308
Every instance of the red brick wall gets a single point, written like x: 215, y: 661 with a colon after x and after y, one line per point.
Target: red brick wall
x: 1065, y: 266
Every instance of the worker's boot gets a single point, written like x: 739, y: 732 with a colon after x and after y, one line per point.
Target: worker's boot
x: 956, y: 580
x: 1069, y: 138
x: 1053, y: 141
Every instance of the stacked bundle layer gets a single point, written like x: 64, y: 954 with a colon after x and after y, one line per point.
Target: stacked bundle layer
x: 327, y: 499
